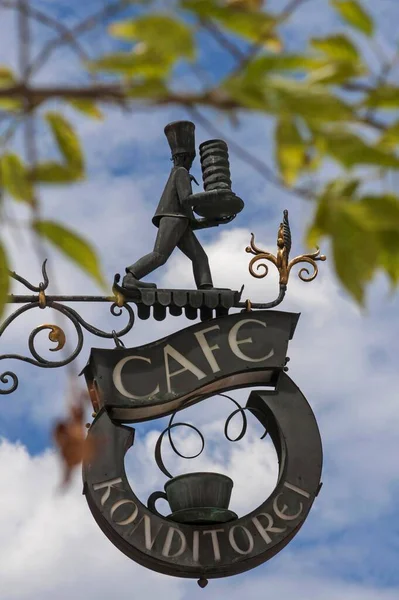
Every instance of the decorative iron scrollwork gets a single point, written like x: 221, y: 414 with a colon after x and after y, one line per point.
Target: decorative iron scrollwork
x: 33, y: 288
x: 56, y: 333
x: 281, y: 259
x: 172, y: 425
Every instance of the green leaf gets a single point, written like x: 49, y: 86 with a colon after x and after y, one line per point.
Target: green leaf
x: 286, y: 97
x: 284, y: 62
x: 273, y: 42
x: 355, y: 244
x: 390, y: 138
x: 150, y: 64
x: 314, y: 103
x: 319, y: 227
x: 10, y: 104
x: 290, y: 149
x: 337, y: 47
x: 355, y: 248
x: 389, y: 255
x: 364, y: 233
x: 52, y: 172
x: 162, y: 32
x: 342, y: 188
x: 245, y: 4
x: 383, y: 213
x: 67, y: 141
x: 248, y: 93
x: 385, y: 96
x: 15, y: 178
x: 253, y: 25
x: 6, y: 76
x: 383, y: 210
x: 7, y: 79
x: 4, y: 279
x: 204, y: 8
x: 355, y: 15
x: 87, y: 107
x: 351, y: 150
x: 334, y: 73
x: 73, y: 246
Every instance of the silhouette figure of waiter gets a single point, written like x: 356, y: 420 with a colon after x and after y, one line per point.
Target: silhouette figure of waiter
x: 174, y: 216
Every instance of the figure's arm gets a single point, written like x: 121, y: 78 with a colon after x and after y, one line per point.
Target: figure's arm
x: 205, y: 223
x: 187, y: 199
x: 185, y: 193
x: 183, y: 185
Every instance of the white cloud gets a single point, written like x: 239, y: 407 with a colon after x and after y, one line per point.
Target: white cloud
x: 50, y: 546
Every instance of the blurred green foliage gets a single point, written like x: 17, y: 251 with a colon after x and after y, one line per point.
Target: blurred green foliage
x: 327, y: 102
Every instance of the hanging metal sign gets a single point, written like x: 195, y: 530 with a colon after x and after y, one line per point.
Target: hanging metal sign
x: 201, y: 537
x: 240, y: 350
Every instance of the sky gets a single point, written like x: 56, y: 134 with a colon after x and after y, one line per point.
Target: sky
x: 345, y: 360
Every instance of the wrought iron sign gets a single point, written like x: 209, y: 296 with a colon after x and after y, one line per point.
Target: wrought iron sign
x: 202, y: 537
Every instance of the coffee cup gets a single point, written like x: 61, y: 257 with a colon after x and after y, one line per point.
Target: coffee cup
x: 194, y: 490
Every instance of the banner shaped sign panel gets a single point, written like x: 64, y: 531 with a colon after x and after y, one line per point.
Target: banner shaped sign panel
x: 233, y: 351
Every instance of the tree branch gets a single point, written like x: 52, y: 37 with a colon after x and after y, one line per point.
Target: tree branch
x: 105, y: 93
x: 372, y: 122
x: 356, y: 86
x: 290, y: 9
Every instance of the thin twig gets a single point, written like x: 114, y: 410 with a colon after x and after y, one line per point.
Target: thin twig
x: 24, y: 38
x: 356, y: 86
x: 379, y: 53
x: 389, y: 67
x: 372, y: 122
x: 10, y: 130
x: 222, y: 39
x: 82, y: 27
x: 48, y: 21
x: 24, y: 54
x: 258, y: 45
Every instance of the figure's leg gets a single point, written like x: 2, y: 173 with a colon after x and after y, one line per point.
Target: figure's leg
x: 170, y: 231
x: 191, y: 247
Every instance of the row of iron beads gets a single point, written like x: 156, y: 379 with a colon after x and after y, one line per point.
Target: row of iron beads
x: 215, y: 165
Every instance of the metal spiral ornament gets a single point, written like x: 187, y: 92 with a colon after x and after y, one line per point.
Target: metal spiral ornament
x: 172, y: 425
x: 215, y: 165
x: 56, y: 334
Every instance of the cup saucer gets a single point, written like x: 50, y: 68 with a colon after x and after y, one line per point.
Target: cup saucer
x: 203, y: 516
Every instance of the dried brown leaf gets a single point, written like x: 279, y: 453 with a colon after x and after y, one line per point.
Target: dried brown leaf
x: 70, y: 439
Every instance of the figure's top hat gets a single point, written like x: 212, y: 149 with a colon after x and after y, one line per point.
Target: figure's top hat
x: 180, y: 135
